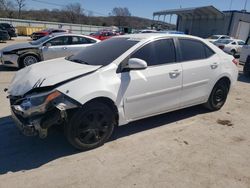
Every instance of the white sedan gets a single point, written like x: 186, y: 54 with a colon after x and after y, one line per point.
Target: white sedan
x: 214, y: 38
x: 118, y: 81
x: 230, y: 46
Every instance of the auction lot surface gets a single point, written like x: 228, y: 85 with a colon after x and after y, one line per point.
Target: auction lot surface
x: 186, y: 148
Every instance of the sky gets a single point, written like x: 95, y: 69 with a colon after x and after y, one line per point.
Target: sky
x: 140, y: 8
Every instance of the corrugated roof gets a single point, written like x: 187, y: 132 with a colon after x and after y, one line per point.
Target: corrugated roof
x: 206, y: 11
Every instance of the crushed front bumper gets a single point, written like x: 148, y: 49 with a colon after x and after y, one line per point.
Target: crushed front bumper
x: 10, y: 60
x: 37, y: 125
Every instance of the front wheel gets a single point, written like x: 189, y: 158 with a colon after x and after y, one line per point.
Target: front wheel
x: 28, y: 60
x: 218, y: 96
x: 90, y: 126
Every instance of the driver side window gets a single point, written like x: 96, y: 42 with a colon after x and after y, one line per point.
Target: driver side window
x: 157, y: 52
x: 59, y: 41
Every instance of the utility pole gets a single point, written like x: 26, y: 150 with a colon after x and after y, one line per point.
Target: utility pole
x: 245, y: 6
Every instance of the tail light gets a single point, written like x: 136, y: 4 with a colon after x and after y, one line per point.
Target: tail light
x: 221, y: 47
x: 235, y: 61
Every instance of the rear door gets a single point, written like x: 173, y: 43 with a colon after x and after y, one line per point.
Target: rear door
x: 201, y: 66
x: 58, y: 47
x: 78, y: 43
x: 157, y: 88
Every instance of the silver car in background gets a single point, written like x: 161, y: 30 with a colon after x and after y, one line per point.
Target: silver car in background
x: 48, y: 47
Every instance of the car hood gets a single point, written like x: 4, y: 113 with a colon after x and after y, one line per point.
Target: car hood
x: 47, y: 73
x: 18, y: 47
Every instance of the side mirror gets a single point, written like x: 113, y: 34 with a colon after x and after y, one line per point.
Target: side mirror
x: 136, y: 64
x: 48, y: 44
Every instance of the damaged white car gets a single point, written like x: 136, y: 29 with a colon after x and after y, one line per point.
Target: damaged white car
x: 118, y: 81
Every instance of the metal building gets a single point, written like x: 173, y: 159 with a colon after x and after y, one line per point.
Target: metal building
x: 207, y: 21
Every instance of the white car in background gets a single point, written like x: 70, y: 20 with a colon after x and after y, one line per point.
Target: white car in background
x: 118, y: 81
x: 230, y: 46
x: 214, y: 38
x: 245, y: 53
x: 48, y: 47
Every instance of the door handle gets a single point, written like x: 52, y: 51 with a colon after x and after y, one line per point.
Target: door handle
x: 214, y: 65
x: 64, y: 48
x: 174, y: 73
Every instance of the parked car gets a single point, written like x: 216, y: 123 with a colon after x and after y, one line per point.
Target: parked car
x: 214, y: 38
x: 246, y: 68
x: 46, y: 32
x: 9, y: 28
x: 118, y: 81
x: 245, y: 52
x: 230, y: 46
x: 4, y: 35
x: 48, y: 47
x: 171, y: 32
x: 245, y: 57
x: 103, y: 35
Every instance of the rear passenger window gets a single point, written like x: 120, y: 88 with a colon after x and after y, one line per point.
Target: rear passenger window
x: 194, y: 50
x: 208, y: 51
x: 157, y: 52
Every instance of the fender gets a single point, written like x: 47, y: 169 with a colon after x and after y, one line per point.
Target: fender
x: 23, y: 53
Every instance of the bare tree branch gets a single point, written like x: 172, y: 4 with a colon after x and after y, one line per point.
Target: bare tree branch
x: 20, y: 4
x: 120, y: 15
x: 7, y: 8
x: 73, y: 12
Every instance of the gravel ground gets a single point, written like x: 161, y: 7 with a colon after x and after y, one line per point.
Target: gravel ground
x: 185, y: 148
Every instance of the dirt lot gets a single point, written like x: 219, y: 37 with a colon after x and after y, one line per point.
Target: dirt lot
x: 186, y: 148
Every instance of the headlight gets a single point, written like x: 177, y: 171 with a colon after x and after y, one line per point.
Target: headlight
x: 42, y: 99
x: 36, y: 104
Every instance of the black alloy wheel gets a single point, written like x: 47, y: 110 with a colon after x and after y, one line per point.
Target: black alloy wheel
x: 91, y: 126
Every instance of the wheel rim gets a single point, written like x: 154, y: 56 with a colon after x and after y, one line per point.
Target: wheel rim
x: 219, y: 96
x: 29, y: 60
x: 93, y: 128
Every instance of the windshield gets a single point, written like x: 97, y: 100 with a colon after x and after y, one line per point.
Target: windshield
x: 224, y: 41
x: 103, y: 53
x: 214, y: 37
x: 41, y: 40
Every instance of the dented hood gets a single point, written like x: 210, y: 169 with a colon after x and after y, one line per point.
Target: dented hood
x: 19, y: 46
x: 47, y: 73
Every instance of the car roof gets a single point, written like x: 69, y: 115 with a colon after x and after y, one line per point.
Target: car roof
x: 148, y: 36
x: 220, y: 35
x: 72, y: 34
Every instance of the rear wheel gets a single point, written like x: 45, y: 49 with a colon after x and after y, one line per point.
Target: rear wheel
x: 90, y: 126
x: 218, y: 96
x: 245, y: 71
x: 233, y: 52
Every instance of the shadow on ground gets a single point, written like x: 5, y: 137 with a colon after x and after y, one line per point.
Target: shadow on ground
x: 8, y: 69
x: 243, y: 78
x: 20, y: 153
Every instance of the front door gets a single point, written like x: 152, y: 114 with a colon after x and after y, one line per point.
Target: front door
x: 157, y: 88
x: 58, y: 47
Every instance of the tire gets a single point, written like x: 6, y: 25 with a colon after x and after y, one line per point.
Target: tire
x: 90, y: 126
x: 28, y: 60
x: 233, y: 52
x: 218, y: 96
x: 245, y: 71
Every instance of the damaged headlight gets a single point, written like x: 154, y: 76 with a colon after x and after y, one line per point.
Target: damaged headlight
x: 40, y: 99
x: 39, y: 103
